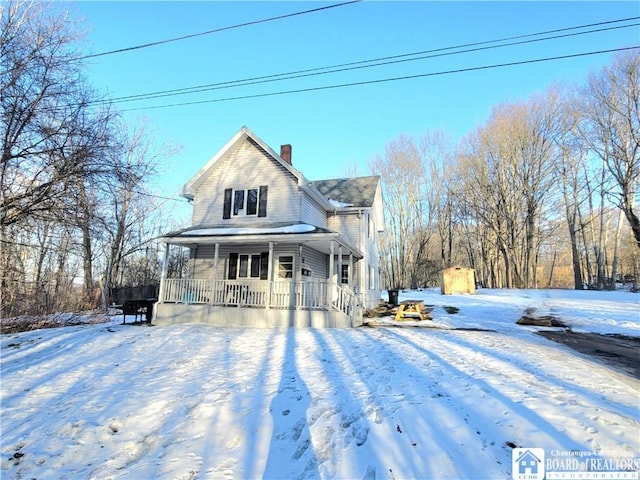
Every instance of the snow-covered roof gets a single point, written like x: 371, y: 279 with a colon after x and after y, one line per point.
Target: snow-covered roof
x: 319, y: 238
x: 217, y: 231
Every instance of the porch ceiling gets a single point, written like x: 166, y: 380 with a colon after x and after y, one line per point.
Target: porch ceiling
x: 319, y: 239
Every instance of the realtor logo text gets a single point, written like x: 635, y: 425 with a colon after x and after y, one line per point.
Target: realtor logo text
x: 532, y: 464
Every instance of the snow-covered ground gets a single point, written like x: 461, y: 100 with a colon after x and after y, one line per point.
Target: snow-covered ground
x: 198, y: 402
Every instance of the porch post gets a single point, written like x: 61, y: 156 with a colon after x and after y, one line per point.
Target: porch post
x: 269, y: 277
x: 339, y: 279
x: 163, y: 275
x: 350, y: 271
x: 331, y: 279
x: 216, y: 255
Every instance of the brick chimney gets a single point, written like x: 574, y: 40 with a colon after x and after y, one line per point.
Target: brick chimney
x: 285, y: 153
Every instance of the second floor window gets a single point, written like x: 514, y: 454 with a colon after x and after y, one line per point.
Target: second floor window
x: 252, y: 201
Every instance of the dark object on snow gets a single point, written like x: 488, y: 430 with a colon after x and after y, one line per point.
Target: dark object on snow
x: 618, y: 351
x: 117, y: 296
x: 393, y: 297
x: 530, y: 317
x: 137, y: 308
x: 540, y: 321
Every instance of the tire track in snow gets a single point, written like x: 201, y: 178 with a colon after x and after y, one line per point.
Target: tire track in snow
x: 435, y: 442
x: 581, y: 411
x: 543, y: 416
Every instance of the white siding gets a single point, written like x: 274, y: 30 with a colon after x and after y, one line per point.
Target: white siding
x: 312, y: 213
x: 318, y: 262
x: 203, y: 262
x: 242, y: 168
x: 348, y: 226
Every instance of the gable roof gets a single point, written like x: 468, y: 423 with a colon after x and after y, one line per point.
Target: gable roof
x: 351, y: 192
x: 189, y: 189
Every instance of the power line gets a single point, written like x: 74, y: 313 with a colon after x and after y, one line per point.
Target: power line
x: 354, y: 65
x: 392, y: 79
x: 145, y: 194
x: 217, y: 30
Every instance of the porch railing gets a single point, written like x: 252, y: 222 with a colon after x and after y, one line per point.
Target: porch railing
x: 261, y: 294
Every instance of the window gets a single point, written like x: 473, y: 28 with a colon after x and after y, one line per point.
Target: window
x: 256, y: 202
x: 372, y: 278
x: 252, y: 201
x: 248, y: 265
x: 244, y: 266
x: 238, y: 201
x: 344, y: 277
x: 285, y: 267
x: 255, y: 266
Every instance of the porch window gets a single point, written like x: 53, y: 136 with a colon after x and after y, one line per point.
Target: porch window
x: 285, y: 266
x: 255, y: 266
x: 243, y: 265
x: 344, y: 275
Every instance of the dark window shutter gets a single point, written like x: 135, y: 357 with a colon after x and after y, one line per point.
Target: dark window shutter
x: 233, y: 266
x: 262, y: 208
x: 226, y: 212
x: 264, y: 265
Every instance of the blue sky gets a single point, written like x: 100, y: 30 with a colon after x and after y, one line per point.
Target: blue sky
x: 333, y: 129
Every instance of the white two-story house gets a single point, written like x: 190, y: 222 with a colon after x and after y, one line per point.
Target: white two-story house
x: 267, y: 247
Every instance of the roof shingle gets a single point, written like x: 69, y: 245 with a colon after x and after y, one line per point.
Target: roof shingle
x: 356, y: 191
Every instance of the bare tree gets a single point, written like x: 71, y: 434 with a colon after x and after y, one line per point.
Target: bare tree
x: 401, y: 169
x: 128, y: 220
x: 70, y: 176
x: 610, y: 128
x: 46, y: 123
x: 415, y: 199
x: 506, y: 180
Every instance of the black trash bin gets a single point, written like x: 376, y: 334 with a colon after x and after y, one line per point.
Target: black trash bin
x: 150, y: 303
x: 393, y: 297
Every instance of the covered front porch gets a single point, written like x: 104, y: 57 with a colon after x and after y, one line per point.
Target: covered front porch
x: 308, y: 277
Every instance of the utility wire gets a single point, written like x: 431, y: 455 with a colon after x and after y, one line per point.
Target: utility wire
x: 392, y: 57
x: 392, y: 79
x: 347, y: 67
x: 217, y: 30
x: 174, y: 199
